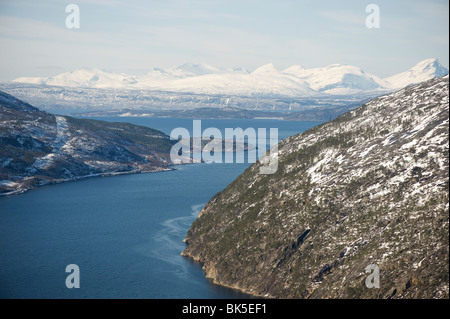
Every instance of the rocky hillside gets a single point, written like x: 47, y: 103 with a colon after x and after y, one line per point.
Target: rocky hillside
x: 370, y: 187
x: 38, y: 148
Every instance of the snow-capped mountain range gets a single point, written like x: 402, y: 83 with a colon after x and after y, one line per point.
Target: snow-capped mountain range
x: 295, y: 81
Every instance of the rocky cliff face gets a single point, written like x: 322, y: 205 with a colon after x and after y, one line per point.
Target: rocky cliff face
x: 368, y: 188
x: 38, y: 148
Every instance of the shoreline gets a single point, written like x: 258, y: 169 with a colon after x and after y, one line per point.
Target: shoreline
x: 60, y: 181
x: 209, y: 274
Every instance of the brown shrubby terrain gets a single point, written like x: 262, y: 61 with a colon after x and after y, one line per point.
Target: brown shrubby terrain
x: 370, y: 187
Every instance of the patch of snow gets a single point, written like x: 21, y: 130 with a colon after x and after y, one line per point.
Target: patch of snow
x: 7, y: 183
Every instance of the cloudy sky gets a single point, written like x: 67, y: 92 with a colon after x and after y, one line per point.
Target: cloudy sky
x: 136, y: 36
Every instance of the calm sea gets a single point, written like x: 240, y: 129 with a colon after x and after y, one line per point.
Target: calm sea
x: 125, y: 232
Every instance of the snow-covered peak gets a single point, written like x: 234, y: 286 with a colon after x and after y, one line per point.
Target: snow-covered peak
x: 422, y: 71
x: 336, y: 78
x: 191, y: 69
x: 78, y: 76
x: 295, y: 81
x: 294, y: 70
x: 335, y: 65
x: 267, y: 68
x: 94, y: 78
x: 238, y: 70
x: 429, y: 64
x: 29, y: 80
x: 90, y: 78
x: 344, y: 68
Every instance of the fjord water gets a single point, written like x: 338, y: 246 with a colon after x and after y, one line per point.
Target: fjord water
x: 124, y: 232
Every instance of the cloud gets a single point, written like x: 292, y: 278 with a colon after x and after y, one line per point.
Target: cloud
x: 440, y: 39
x: 34, y: 30
x: 344, y: 17
x: 50, y: 68
x: 142, y: 34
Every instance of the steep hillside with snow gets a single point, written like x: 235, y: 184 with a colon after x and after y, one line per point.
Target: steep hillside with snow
x: 38, y: 148
x: 368, y: 188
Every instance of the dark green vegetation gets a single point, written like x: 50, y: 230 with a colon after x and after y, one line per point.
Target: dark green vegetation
x: 370, y: 187
x: 38, y: 148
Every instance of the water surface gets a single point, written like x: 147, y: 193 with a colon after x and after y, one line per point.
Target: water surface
x: 124, y: 232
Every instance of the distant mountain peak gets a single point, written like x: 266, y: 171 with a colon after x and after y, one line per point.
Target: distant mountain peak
x: 294, y: 69
x: 193, y: 69
x: 266, y: 68
x: 294, y: 81
x: 335, y: 65
x: 428, y: 62
x: 430, y: 65
x: 422, y: 71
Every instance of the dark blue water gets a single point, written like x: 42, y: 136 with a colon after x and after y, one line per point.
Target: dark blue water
x: 125, y: 232
x: 166, y: 125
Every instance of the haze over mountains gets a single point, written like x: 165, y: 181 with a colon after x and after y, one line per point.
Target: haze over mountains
x: 295, y: 81
x: 298, y: 93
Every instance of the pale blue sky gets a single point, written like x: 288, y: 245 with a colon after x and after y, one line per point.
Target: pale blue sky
x: 135, y: 36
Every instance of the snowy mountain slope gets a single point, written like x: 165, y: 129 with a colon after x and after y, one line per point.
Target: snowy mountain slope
x: 266, y: 80
x: 38, y: 148
x: 75, y: 100
x: 195, y: 86
x: 191, y: 69
x: 368, y: 188
x: 92, y: 78
x: 422, y: 71
x: 337, y: 79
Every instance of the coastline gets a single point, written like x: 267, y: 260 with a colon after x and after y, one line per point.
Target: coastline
x: 211, y: 274
x: 25, y: 188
